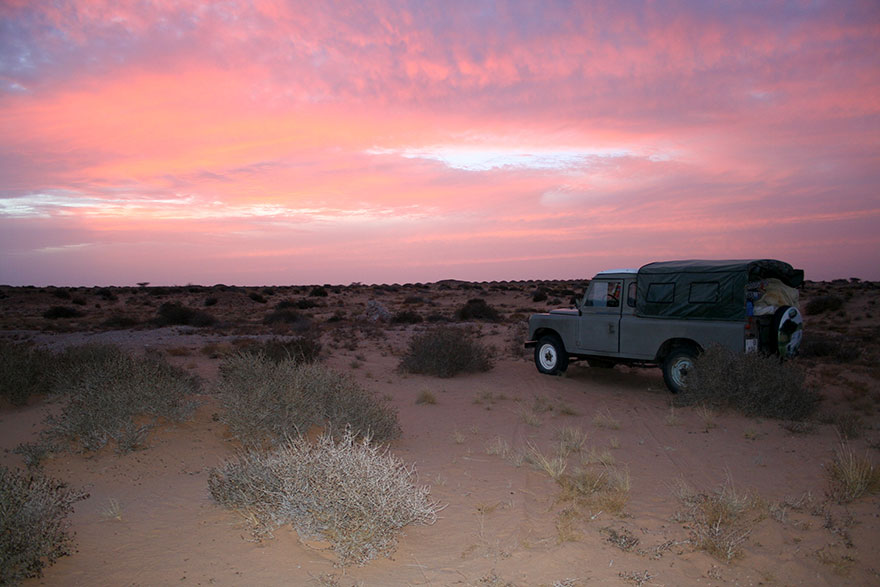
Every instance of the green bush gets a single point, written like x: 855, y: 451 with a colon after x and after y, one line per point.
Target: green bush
x: 350, y: 493
x: 265, y: 402
x: 751, y: 383
x: 445, y: 352
x: 33, y: 523
x: 110, y: 395
x: 24, y: 370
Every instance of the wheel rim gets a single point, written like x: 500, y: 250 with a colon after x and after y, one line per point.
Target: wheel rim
x: 680, y: 370
x: 548, y: 356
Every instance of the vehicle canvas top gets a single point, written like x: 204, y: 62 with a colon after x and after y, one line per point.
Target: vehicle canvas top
x: 700, y: 289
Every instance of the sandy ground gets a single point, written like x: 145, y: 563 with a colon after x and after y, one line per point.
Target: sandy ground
x: 504, y: 522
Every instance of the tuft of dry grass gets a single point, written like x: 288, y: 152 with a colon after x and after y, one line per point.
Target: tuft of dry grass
x: 426, y: 397
x: 605, y: 488
x: 720, y: 522
x: 571, y: 439
x: 604, y: 419
x: 552, y: 465
x: 498, y: 446
x: 851, y: 476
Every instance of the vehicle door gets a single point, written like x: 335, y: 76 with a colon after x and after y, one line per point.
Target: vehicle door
x: 599, y: 322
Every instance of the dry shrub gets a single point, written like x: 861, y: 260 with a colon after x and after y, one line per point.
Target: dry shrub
x: 56, y: 312
x: 24, y: 371
x: 477, y: 309
x: 33, y: 523
x: 445, y: 351
x: 754, y: 384
x: 175, y: 314
x: 720, y: 522
x: 598, y: 487
x: 851, y: 476
x: 820, y: 304
x: 265, y: 401
x: 834, y: 349
x: 111, y: 395
x: 301, y: 349
x: 350, y: 493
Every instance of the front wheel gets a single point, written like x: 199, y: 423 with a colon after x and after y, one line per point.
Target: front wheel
x: 676, y: 367
x: 550, y: 356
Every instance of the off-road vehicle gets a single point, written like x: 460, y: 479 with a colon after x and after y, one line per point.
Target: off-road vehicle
x: 664, y: 314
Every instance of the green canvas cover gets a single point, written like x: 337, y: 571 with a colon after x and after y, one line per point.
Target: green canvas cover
x: 700, y: 289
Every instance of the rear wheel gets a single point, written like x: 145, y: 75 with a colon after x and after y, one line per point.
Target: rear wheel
x: 550, y: 356
x: 676, y: 367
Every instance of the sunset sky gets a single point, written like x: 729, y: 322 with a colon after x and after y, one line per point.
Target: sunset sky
x: 261, y: 143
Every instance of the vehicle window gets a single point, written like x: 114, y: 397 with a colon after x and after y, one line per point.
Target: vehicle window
x: 603, y: 294
x: 660, y: 293
x: 704, y: 292
x: 631, y: 295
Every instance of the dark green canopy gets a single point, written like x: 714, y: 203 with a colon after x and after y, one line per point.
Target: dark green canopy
x: 700, y: 289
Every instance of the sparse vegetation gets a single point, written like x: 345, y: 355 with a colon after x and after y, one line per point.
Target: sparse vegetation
x: 265, y: 402
x: 24, y: 371
x: 34, y: 530
x: 604, y: 419
x: 477, y: 309
x: 821, y: 304
x: 301, y: 349
x: 350, y: 493
x: 445, y: 352
x: 175, y: 314
x: 720, y: 522
x: 851, y: 476
x: 754, y: 384
x: 426, y: 397
x: 56, y: 312
x: 111, y: 395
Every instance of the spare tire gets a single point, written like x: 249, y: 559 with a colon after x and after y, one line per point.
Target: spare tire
x: 787, y: 332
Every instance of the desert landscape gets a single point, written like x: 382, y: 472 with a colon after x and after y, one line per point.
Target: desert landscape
x: 596, y: 477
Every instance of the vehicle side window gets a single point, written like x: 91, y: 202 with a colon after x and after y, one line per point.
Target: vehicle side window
x: 704, y: 292
x: 660, y: 293
x: 631, y: 295
x: 603, y: 294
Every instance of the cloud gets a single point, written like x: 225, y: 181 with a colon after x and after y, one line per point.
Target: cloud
x: 469, y: 137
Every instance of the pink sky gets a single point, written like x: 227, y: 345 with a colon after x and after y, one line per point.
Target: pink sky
x: 278, y: 142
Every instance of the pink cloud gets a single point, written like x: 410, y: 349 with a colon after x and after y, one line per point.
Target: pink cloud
x: 467, y: 139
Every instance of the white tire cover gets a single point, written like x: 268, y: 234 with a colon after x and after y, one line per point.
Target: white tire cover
x: 789, y: 332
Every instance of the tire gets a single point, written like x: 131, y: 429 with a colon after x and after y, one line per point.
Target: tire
x: 550, y: 356
x: 676, y: 366
x: 785, y: 337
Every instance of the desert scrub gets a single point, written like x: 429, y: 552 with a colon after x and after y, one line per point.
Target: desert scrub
x: 351, y: 493
x: 24, y: 371
x: 851, y: 476
x: 265, y: 401
x: 111, y: 395
x: 720, y: 522
x: 754, y: 384
x: 302, y: 349
x: 477, y: 309
x: 33, y: 523
x: 172, y: 313
x: 445, y: 351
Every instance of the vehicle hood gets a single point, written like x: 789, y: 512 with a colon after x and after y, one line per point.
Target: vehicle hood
x: 565, y: 311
